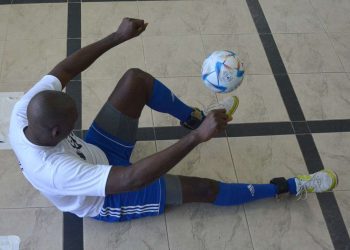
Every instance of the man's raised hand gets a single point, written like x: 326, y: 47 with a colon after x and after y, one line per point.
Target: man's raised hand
x: 129, y: 28
x: 215, y: 122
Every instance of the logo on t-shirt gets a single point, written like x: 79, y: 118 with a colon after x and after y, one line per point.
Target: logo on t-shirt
x: 20, y: 165
x: 77, y: 146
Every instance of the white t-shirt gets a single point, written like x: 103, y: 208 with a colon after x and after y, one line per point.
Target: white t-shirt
x: 72, y: 174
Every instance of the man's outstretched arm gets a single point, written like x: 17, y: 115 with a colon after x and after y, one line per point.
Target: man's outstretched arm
x: 143, y: 172
x: 83, y: 58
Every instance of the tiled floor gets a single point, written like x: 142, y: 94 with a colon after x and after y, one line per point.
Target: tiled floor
x: 313, y: 39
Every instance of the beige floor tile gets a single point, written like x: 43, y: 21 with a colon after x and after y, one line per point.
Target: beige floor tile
x: 16, y: 86
x: 4, y: 15
x: 308, y: 53
x: 224, y: 17
x: 200, y: 226
x: 38, y: 228
x: 204, y: 226
x: 334, y: 150
x: 341, y: 43
x: 288, y: 224
x: 174, y: 55
x: 145, y: 233
x: 169, y: 17
x: 29, y: 60
x: 143, y: 149
x: 7, y: 102
x: 334, y: 14
x: 343, y: 200
x: 208, y: 160
x: 323, y: 96
x: 94, y: 96
x: 259, y: 159
x: 259, y: 100
x: 16, y: 191
x: 114, y: 63
x: 37, y: 21
x: 191, y: 91
x: 291, y: 16
x: 2, y: 45
x: 101, y: 19
x: 247, y: 46
x: 55, y: 53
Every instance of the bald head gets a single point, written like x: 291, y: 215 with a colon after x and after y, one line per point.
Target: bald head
x: 51, y: 116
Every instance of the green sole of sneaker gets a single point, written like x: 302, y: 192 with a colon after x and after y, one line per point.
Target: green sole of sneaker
x: 234, y: 107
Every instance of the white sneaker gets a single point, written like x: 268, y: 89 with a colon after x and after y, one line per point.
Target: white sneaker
x: 230, y: 104
x: 321, y: 181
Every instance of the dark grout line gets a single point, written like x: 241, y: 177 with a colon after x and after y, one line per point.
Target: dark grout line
x: 74, y: 90
x: 232, y: 130
x: 74, y: 17
x: 73, y: 231
x: 333, y: 216
x: 5, y: 2
x: 328, y: 203
x: 246, y: 130
x: 301, y: 127
x: 329, y: 126
x: 259, y: 129
x: 289, y: 97
x: 330, y: 209
x: 37, y: 1
x: 91, y: 1
x: 73, y: 234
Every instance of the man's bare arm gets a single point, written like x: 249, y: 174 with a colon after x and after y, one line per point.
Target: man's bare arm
x: 147, y: 170
x: 83, y: 58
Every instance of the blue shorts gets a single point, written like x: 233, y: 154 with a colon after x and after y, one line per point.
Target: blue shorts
x: 148, y: 201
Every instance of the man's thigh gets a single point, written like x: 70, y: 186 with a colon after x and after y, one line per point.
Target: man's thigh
x: 147, y: 201
x: 117, y: 124
x: 114, y: 133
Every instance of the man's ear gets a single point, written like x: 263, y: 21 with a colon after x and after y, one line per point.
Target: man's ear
x: 55, y: 132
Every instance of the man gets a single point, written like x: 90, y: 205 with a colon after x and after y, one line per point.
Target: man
x: 94, y: 178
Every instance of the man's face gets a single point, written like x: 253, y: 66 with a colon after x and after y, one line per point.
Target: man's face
x: 69, y: 123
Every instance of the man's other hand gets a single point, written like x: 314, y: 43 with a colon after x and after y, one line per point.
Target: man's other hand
x: 214, y: 123
x: 129, y: 28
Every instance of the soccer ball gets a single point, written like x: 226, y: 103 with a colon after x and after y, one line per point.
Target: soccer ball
x: 222, y: 71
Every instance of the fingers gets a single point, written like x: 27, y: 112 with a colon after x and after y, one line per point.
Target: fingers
x: 220, y: 114
x: 138, y: 24
x: 142, y: 28
x: 218, y: 119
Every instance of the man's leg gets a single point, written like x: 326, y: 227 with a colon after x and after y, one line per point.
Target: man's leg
x: 137, y: 88
x: 182, y: 189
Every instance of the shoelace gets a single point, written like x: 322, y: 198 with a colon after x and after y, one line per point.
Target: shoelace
x: 302, y: 193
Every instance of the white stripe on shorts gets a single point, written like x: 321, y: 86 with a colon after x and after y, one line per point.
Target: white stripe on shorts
x: 118, y: 212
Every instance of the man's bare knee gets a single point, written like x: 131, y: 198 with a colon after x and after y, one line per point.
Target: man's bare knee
x: 137, y: 80
x: 136, y: 73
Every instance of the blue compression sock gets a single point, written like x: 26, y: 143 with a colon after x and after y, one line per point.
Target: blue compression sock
x: 163, y: 100
x: 236, y: 194
x: 292, y: 186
